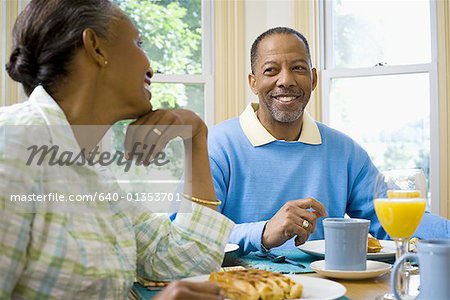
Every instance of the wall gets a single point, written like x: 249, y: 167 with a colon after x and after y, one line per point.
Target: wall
x: 261, y: 15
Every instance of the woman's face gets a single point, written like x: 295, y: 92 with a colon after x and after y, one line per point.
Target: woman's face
x: 128, y: 71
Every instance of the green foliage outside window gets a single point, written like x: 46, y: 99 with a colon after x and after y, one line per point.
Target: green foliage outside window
x: 171, y: 32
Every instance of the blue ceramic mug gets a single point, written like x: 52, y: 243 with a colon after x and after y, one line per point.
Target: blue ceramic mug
x: 434, y: 263
x: 345, y: 243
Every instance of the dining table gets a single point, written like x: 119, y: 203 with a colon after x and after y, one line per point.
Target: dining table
x: 366, y: 289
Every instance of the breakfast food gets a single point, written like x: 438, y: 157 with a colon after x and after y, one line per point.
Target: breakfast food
x: 234, y: 268
x: 252, y: 284
x: 373, y: 245
x: 152, y: 285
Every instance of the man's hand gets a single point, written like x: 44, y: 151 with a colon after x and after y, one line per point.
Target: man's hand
x: 289, y: 221
x: 184, y: 290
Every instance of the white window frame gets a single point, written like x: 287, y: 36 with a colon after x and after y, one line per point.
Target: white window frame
x: 329, y: 73
x: 206, y: 77
x: 3, y: 35
x: 11, y: 92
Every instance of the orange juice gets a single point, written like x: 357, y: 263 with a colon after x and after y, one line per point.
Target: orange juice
x: 400, y: 217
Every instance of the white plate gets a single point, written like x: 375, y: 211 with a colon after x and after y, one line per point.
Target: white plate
x: 231, y: 248
x: 317, y: 248
x: 374, y: 269
x: 313, y: 288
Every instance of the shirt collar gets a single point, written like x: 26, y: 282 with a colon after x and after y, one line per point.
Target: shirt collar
x: 259, y: 136
x: 52, y: 113
x: 59, y: 128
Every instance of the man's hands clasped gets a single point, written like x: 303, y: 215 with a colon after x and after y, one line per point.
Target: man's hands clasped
x: 296, y: 218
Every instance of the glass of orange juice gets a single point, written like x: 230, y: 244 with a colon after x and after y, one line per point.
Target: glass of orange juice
x: 400, y: 200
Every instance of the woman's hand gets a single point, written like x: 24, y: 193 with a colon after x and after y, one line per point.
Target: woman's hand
x: 185, y: 290
x: 150, y: 134
x: 157, y: 128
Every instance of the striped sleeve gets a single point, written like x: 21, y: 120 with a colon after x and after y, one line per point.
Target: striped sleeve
x: 15, y: 227
x: 193, y: 244
x: 14, y: 239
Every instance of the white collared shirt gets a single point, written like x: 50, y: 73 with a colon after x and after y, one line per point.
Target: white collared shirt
x: 259, y: 136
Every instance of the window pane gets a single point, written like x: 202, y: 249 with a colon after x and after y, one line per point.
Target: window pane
x: 171, y: 31
x: 366, y: 33
x: 388, y: 115
x: 178, y: 95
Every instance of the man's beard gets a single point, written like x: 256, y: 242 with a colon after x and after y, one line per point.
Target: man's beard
x: 285, y: 116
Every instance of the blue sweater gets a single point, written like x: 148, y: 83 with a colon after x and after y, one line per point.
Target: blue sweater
x: 255, y: 182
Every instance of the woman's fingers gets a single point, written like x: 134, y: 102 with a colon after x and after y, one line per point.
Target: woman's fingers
x: 185, y: 290
x: 135, y: 134
x: 144, y: 134
x: 156, y: 147
x: 148, y: 136
x: 204, y: 287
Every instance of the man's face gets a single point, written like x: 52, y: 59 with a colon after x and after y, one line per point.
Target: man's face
x: 283, y: 78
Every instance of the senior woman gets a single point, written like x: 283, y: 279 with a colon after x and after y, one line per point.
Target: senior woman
x: 80, y: 62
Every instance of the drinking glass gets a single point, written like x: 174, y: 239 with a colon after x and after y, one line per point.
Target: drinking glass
x: 400, y: 200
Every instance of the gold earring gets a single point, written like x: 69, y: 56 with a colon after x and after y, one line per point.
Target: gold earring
x: 106, y: 62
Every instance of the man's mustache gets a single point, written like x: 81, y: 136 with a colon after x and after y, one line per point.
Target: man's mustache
x: 287, y: 92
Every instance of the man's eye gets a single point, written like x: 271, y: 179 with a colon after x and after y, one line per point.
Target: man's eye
x: 299, y: 68
x: 268, y: 70
x: 140, y: 43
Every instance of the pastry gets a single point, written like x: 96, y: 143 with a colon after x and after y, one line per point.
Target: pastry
x: 373, y: 245
x: 252, y: 284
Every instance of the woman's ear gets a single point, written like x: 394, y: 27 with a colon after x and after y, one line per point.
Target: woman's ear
x: 95, y: 47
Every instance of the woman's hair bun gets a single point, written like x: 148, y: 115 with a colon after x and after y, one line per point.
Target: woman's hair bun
x: 21, y: 66
x: 47, y: 34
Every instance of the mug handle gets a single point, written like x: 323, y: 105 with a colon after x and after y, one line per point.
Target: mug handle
x: 395, y: 269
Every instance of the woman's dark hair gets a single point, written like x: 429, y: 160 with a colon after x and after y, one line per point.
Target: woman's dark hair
x: 46, y: 35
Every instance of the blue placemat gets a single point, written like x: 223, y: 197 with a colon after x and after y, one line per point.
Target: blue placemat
x: 255, y: 262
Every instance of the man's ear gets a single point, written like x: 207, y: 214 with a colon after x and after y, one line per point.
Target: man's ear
x: 252, y: 83
x: 95, y: 47
x: 313, y: 79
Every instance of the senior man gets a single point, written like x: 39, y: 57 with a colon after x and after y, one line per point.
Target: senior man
x: 277, y: 171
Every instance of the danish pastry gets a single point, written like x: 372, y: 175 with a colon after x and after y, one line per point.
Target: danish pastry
x: 373, y: 245
x: 252, y: 284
